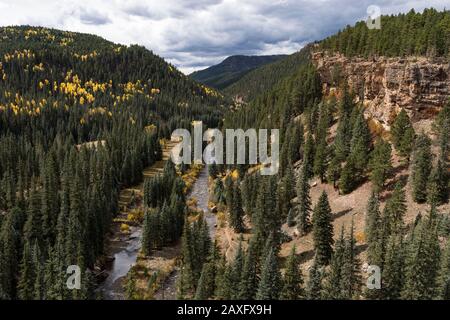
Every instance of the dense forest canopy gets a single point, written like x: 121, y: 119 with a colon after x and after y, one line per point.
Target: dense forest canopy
x: 329, y: 142
x: 58, y: 193
x: 413, y: 33
x: 231, y: 70
x: 264, y: 78
x: 81, y: 117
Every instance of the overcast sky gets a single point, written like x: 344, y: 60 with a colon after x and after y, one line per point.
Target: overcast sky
x: 194, y: 34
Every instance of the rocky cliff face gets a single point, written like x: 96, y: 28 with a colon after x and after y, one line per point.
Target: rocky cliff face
x: 419, y: 85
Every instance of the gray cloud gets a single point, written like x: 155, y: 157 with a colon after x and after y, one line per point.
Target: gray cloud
x: 93, y: 17
x: 194, y: 34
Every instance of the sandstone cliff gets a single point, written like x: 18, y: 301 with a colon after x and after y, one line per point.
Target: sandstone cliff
x: 419, y: 85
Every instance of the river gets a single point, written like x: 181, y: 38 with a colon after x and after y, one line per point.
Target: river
x: 201, y: 193
x: 125, y: 249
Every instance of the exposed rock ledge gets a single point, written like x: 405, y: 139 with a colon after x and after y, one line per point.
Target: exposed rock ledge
x: 420, y: 85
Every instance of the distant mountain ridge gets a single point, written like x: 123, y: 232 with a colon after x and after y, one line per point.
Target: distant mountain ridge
x: 266, y: 77
x: 232, y: 69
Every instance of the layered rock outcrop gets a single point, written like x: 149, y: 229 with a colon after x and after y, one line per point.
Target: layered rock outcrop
x: 419, y: 85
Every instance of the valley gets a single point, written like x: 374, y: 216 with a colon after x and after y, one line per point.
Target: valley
x: 362, y: 181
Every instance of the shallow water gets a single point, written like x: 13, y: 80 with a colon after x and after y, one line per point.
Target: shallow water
x: 125, y: 256
x: 126, y: 250
x: 200, y: 192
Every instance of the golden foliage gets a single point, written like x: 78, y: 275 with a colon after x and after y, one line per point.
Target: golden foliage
x: 360, y: 237
x: 135, y: 215
x: 125, y: 228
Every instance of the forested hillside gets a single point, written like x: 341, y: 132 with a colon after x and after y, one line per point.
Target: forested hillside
x: 231, y: 70
x: 264, y: 78
x: 426, y: 33
x: 79, y: 119
x: 347, y: 193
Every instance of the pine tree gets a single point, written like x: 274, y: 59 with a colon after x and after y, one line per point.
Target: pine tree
x: 333, y: 285
x: 343, y: 138
x: 50, y: 199
x: 346, y: 105
x: 75, y: 237
x: 322, y: 153
x: 219, y: 193
x: 200, y: 247
x: 334, y: 169
x: 32, y: 229
x: 25, y: 286
x: 290, y: 221
x: 286, y: 192
x: 266, y: 219
x: 87, y: 286
x: 296, y: 142
x: 249, y: 281
x: 304, y: 203
x: 360, y: 145
x: 437, y: 187
x: 314, y: 286
x: 373, y: 229
x: 380, y: 164
x: 236, y: 212
x: 322, y: 230
x: 205, y: 287
x: 392, y: 276
x: 442, y: 128
x: 403, y: 134
x: 394, y: 212
x: 228, y: 287
x: 10, y: 242
x: 38, y: 286
x: 347, y: 179
x: 421, y: 168
x: 271, y: 281
x: 423, y: 261
x: 325, y: 120
x: 149, y: 232
x: 285, y: 159
x: 320, y: 160
x: 186, y: 279
x: 236, y: 271
x: 444, y: 274
x: 228, y: 187
x: 351, y: 274
x: 223, y: 281
x: 292, y: 280
x: 308, y: 156
x: 207, y: 282
x: 249, y: 196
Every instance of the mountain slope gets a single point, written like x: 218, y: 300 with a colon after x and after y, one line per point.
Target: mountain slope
x: 360, y: 75
x: 80, y: 117
x: 40, y: 63
x: 264, y: 78
x: 231, y: 70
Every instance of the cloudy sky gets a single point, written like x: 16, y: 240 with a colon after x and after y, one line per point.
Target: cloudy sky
x: 194, y: 34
